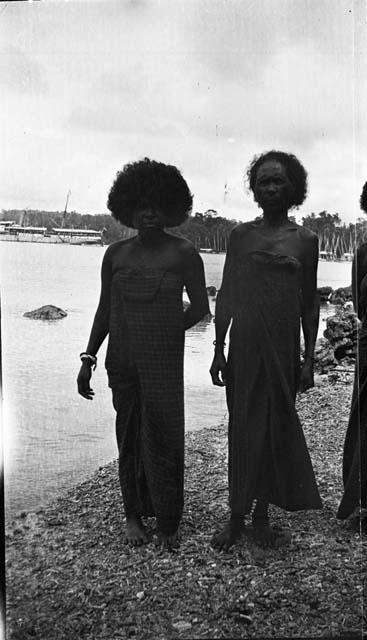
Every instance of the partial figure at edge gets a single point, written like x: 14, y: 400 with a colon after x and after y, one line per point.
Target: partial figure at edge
x: 354, y: 500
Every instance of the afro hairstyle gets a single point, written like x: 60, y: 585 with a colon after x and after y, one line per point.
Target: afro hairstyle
x: 363, y: 198
x: 150, y: 184
x: 295, y: 171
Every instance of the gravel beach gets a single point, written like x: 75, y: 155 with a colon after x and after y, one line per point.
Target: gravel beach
x: 70, y: 575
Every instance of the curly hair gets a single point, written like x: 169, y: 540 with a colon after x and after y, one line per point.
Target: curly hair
x: 151, y: 184
x: 296, y: 172
x: 363, y: 198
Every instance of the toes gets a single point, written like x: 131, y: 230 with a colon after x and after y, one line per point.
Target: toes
x: 174, y: 544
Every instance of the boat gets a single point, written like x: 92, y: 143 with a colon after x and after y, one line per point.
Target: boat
x: 347, y: 257
x: 12, y: 232
x: 327, y: 255
x: 78, y: 236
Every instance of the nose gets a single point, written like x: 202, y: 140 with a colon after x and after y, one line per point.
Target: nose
x: 149, y: 215
x: 271, y: 187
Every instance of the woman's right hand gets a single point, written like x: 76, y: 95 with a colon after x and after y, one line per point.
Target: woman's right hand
x: 83, y: 380
x: 219, y: 366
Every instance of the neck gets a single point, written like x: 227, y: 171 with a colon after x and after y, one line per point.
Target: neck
x: 150, y: 235
x: 275, y: 218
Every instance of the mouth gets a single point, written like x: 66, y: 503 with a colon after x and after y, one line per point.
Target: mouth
x: 272, y: 200
x: 150, y: 225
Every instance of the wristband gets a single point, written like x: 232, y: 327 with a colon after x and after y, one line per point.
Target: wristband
x: 87, y: 356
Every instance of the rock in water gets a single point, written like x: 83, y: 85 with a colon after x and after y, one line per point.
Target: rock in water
x: 211, y: 291
x: 47, y: 312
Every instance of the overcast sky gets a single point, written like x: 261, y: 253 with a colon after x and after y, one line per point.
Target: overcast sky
x: 204, y: 84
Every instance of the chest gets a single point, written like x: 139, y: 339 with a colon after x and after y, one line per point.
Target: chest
x: 282, y: 242
x: 137, y: 256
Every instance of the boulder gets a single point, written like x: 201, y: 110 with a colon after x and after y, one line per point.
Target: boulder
x: 341, y: 332
x: 341, y: 295
x: 47, y: 312
x: 324, y: 356
x: 324, y: 294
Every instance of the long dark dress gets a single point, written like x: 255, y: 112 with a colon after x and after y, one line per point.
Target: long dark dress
x: 268, y: 456
x: 144, y: 362
x: 355, y: 446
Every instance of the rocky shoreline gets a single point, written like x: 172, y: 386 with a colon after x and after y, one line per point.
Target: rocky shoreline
x: 69, y: 574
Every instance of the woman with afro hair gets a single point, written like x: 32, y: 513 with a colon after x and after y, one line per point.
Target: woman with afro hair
x: 268, y: 289
x: 141, y: 310
x: 354, y: 500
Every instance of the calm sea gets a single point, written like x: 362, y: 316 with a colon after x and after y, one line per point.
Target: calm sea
x: 53, y: 437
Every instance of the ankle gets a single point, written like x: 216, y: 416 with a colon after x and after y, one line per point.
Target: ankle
x: 133, y: 518
x: 237, y: 517
x: 260, y: 515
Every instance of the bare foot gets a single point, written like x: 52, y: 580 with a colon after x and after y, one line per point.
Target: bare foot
x: 166, y: 541
x: 135, y: 532
x: 228, y: 536
x: 267, y: 536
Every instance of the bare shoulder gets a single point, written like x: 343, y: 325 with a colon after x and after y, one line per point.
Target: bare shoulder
x: 243, y: 228
x: 362, y: 250
x: 361, y: 257
x: 240, y: 232
x: 115, y: 248
x: 182, y: 245
x: 307, y: 235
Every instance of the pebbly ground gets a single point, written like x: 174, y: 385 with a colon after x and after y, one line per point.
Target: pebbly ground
x: 69, y: 574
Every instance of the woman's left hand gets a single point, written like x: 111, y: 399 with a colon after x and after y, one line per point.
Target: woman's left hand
x: 83, y: 380
x: 306, y: 378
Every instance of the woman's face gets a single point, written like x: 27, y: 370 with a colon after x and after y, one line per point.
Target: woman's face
x: 148, y: 219
x: 272, y: 187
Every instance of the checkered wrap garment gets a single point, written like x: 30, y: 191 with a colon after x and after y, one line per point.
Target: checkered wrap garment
x: 355, y: 446
x: 268, y: 455
x: 144, y: 362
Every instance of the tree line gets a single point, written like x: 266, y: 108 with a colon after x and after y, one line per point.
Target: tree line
x: 207, y: 230
x: 336, y: 238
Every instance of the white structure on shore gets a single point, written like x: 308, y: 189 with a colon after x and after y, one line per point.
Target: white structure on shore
x: 11, y: 232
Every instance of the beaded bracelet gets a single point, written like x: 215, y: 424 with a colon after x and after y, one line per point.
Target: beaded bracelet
x: 87, y: 356
x: 223, y: 344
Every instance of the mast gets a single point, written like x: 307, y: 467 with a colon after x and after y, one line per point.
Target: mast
x: 65, y: 209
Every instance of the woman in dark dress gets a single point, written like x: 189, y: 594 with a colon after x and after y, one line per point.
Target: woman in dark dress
x: 268, y: 289
x: 141, y: 309
x: 354, y: 500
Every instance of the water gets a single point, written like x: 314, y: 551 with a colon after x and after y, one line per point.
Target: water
x: 53, y: 437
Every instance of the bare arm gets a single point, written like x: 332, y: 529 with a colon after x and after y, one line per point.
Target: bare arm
x: 223, y: 307
x: 359, y: 270
x: 101, y: 320
x: 223, y: 316
x: 311, y: 303
x: 99, y: 330
x: 194, y: 281
x: 311, y: 309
